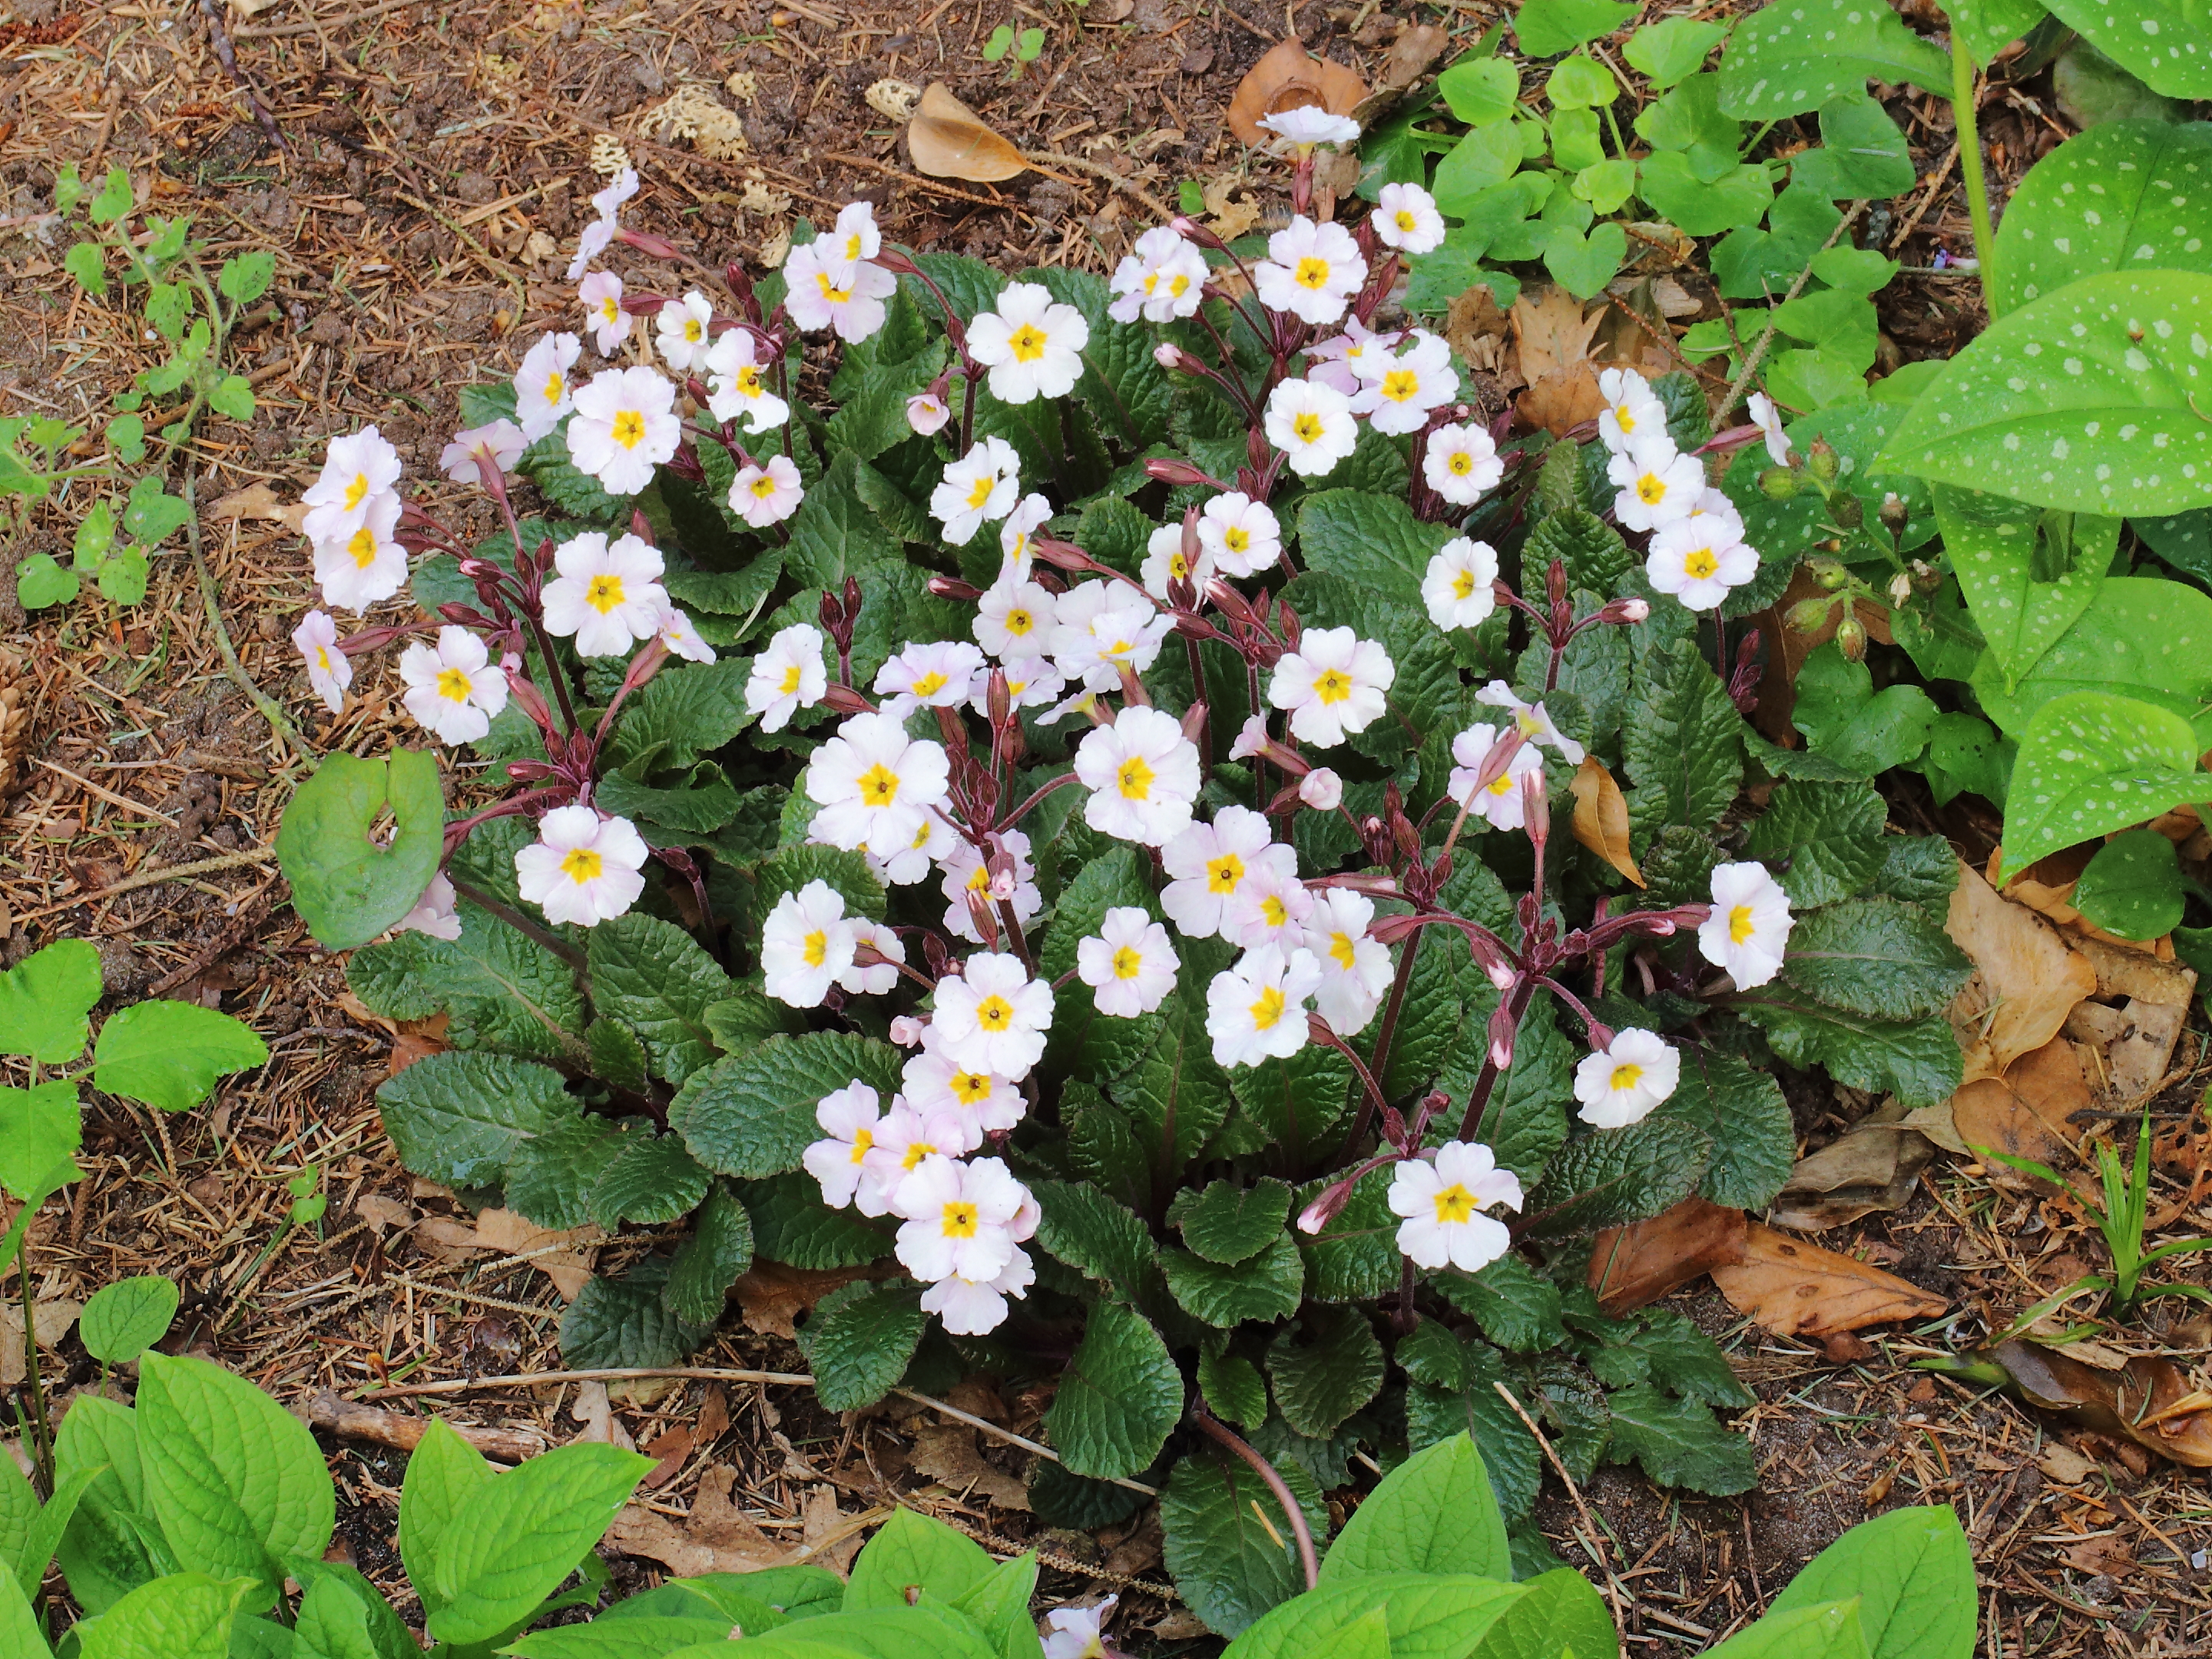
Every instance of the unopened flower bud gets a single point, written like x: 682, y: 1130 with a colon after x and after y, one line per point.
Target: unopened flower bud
x: 1320, y: 789
x: 1894, y: 512
x: 1778, y: 483
x: 951, y: 587
x: 1622, y: 611
x: 1807, y: 615
x: 1925, y: 576
x: 644, y: 304
x: 1168, y: 355
x: 1851, y: 639
x: 999, y: 698
x: 926, y: 412
x: 1502, y: 1032
x: 1828, y: 573
x: 1064, y: 556
x: 1849, y: 511
x: 847, y: 701
x: 1822, y: 461
x: 906, y: 1030
x: 1168, y: 469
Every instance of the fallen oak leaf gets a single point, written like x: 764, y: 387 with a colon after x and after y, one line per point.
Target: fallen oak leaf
x: 1600, y: 820
x: 1794, y: 1289
x: 1288, y: 77
x: 948, y: 140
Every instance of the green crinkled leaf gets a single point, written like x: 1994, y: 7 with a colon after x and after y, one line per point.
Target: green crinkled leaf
x: 650, y: 1180
x: 1615, y: 1176
x: 1102, y: 1147
x: 700, y: 805
x: 2080, y: 400
x: 2091, y: 763
x: 1355, y: 1258
x: 1510, y: 1302
x: 1682, y: 744
x: 551, y: 1176
x: 1228, y: 1542
x: 1101, y: 1239
x: 576, y: 494
x: 835, y: 534
x: 1877, y: 958
x: 792, y: 868
x: 459, y: 1118
x: 617, y: 1057
x: 714, y: 1257
x: 1831, y: 832
x: 1428, y: 1024
x: 1673, y: 1354
x: 1060, y: 1499
x: 653, y: 977
x: 1225, y: 1222
x: 793, y: 1225
x: 1791, y: 58
x: 1320, y: 1382
x: 2023, y: 590
x: 503, y: 989
x: 1370, y: 540
x: 1427, y: 680
x: 1916, y: 1060
x: 1126, y: 388
x: 859, y: 1340
x: 1740, y: 1111
x: 2122, y: 196
x: 1299, y: 1101
x: 1233, y: 1388
x: 1265, y: 1287
x: 1509, y: 1453
x: 685, y: 711
x: 1680, y: 1442
x: 1595, y: 556
x: 345, y: 886
x: 1176, y: 1096
x: 622, y: 1323
x: 751, y: 1115
x: 1119, y: 1399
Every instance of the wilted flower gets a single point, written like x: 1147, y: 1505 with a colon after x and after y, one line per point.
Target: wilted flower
x: 329, y: 669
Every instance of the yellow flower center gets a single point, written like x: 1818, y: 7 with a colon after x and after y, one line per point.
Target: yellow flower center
x: 1237, y: 539
x: 603, y: 593
x: 1027, y: 342
x: 790, y: 683
x: 1019, y: 621
x: 862, y: 1140
x: 1178, y: 284
x: 1460, y: 464
x: 978, y: 880
x: 628, y: 428
x: 960, y: 1220
x: 1308, y: 428
x: 994, y: 1013
x: 915, y: 1151
x: 1151, y: 280
x: 1400, y: 384
x: 746, y: 381
x: 880, y: 785
x: 611, y: 308
x: 1405, y: 221
x: 1463, y: 585
x: 357, y: 491
x: 1454, y: 1205
x: 554, y: 383
x: 1625, y: 1077
x: 692, y: 329
x: 453, y: 685
x: 973, y: 1087
x: 1178, y: 565
x: 1740, y: 926
x: 929, y: 684
x: 1224, y: 873
x: 1274, y: 911
x: 763, y: 487
x: 830, y: 291
x: 1135, y: 779
x: 852, y: 247
x: 323, y: 659
x: 1267, y: 1011
x: 1627, y: 420
x: 1700, y: 564
x: 1503, y: 785
x: 1312, y: 272
x: 1334, y: 685
x: 362, y: 547
x: 1341, y: 953
x: 582, y: 865
x: 1652, y: 488
x: 1127, y: 962
x: 816, y: 949
x: 979, y: 491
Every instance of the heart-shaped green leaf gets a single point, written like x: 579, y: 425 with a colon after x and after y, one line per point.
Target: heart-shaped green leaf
x: 1583, y: 265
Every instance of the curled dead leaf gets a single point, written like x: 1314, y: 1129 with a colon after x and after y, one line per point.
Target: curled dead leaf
x: 1477, y: 330
x: 948, y: 140
x: 772, y: 1296
x: 717, y: 1536
x: 1601, y: 817
x: 2027, y: 979
x: 1874, y: 1166
x: 1633, y: 1267
x: 1796, y: 1289
x: 2147, y: 1402
x: 1288, y: 77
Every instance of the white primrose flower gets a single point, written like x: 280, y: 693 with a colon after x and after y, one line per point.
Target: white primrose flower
x: 1142, y: 773
x: 362, y: 565
x: 1457, y: 587
x: 1208, y: 864
x: 966, y: 872
x: 766, y: 495
x: 1535, y: 724
x: 600, y: 294
x: 1713, y: 510
x: 1657, y: 482
x: 806, y: 943
x: 1074, y: 1632
x: 1028, y: 518
x: 855, y: 236
x: 1500, y: 805
x: 1749, y: 928
x: 1460, y: 464
x: 1699, y: 561
x: 1243, y: 535
x: 901, y: 866
x: 541, y: 392
x: 454, y: 688
x: 1312, y: 424
x: 940, y: 674
x: 608, y: 594
x: 1129, y: 964
x: 360, y: 469
x: 1443, y: 1205
x: 927, y: 413
x: 1095, y: 651
x: 1164, y: 562
x: 608, y: 201
x: 936, y: 1083
x: 601, y: 231
x: 849, y: 1119
x: 1340, y: 361
x: 1406, y: 218
x: 905, y: 1141
x: 992, y: 1016
x: 1768, y: 419
x: 436, y: 913
x: 681, y: 638
x: 499, y: 442
x: 682, y: 332
x: 1620, y: 1085
x: 1031, y: 682
x: 624, y: 425
x: 1355, y: 966
x: 824, y: 291
x: 982, y: 484
x: 1031, y: 343
x: 734, y: 364
x: 1161, y: 280
x: 788, y: 677
x: 873, y: 783
x: 1332, y: 684
x: 1311, y: 269
x: 1271, y: 909
x: 329, y: 671
x: 969, y: 1307
x: 1013, y: 617
x: 876, y: 978
x: 1632, y: 411
x: 582, y: 868
x: 1256, y: 1010
x: 1322, y: 789
x: 1399, y: 391
x: 1310, y: 125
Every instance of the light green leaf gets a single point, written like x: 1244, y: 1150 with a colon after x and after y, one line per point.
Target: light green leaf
x: 101, y: 1552
x: 2027, y: 576
x: 459, y: 1118
x: 751, y: 1115
x: 43, y: 1000
x: 2091, y: 763
x: 1561, y: 1617
x: 169, y: 1054
x: 2160, y: 42
x: 87, y: 262
x: 1322, y: 1382
x: 1584, y: 264
x: 1828, y: 1630
x: 1439, y: 1617
x: 244, y: 277
x: 1862, y: 153
x: 1672, y: 49
x: 442, y: 1471
x: 1371, y: 540
x: 2122, y: 196
x: 1119, y: 1398
x: 39, y: 1128
x: 1847, y: 722
x: 346, y: 888
x: 1792, y: 57
x: 332, y: 1624
x: 1434, y: 1514
x: 1545, y: 29
x: 2142, y: 637
x: 124, y: 1319
x: 914, y: 1552
x: 233, y: 395
x: 1480, y: 91
x: 857, y: 1341
x: 1912, y: 1571
x: 641, y: 1636
x: 188, y: 1616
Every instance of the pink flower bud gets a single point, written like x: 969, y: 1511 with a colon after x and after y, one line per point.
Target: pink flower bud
x: 1322, y: 789
x: 1169, y: 471
x: 906, y: 1030
x: 1167, y: 354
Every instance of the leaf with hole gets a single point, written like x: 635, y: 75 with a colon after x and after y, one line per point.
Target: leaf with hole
x: 347, y: 885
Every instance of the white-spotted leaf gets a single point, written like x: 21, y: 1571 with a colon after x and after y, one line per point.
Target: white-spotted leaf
x: 2091, y: 764
x: 2161, y: 42
x: 1795, y: 57
x: 1993, y: 543
x: 2124, y: 196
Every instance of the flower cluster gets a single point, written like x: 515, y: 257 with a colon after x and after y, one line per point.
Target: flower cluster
x: 1697, y: 552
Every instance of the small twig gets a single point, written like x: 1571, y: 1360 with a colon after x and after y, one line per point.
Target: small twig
x: 315, y: 26
x: 210, y: 596
x: 1766, y: 337
x: 1927, y: 200
x: 358, y: 1422
x: 1220, y: 1431
x: 227, y: 57
x: 260, y: 856
x: 1097, y: 171
x: 1592, y: 1539
x: 1010, y: 1437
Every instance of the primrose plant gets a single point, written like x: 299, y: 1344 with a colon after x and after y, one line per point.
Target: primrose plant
x: 1078, y: 816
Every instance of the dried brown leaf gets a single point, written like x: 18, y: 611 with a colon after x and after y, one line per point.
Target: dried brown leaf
x: 2149, y: 1403
x: 52, y: 1319
x: 1796, y: 1289
x: 948, y: 1452
x: 2024, y: 1113
x: 1601, y: 816
x: 1873, y: 1167
x: 568, y: 1255
x: 378, y: 1213
x: 1288, y: 77
x: 773, y: 1296
x: 1477, y: 330
x: 716, y: 1537
x: 2026, y: 978
x: 948, y: 140
x: 1633, y: 1267
x: 2129, y: 1047
x: 1552, y: 332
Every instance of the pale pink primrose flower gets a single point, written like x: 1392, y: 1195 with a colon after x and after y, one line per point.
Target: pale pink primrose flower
x: 1310, y: 125
x: 986, y: 1101
x: 1536, y: 725
x: 1332, y: 685
x: 1768, y: 418
x: 1271, y: 909
x: 1015, y: 535
x: 607, y: 594
x: 1209, y: 867
x: 788, y: 677
x: 1013, y: 617
x: 329, y: 671
x: 824, y: 291
x: 1312, y: 424
x: 873, y: 783
x: 1632, y: 411
x: 806, y: 943
x: 541, y: 392
x: 849, y: 1118
x: 901, y: 866
x: 927, y: 413
x: 1031, y: 682
x: 682, y: 330
x: 499, y: 443
x: 968, y: 1307
x: 1311, y: 269
x: 1255, y: 1009
x: 1500, y: 805
x: 361, y: 566
x: 1406, y: 218
x: 1460, y: 464
x: 907, y: 1138
x: 1142, y: 775
x: 938, y: 674
x: 1657, y: 482
x: 1749, y: 930
x: 1129, y: 963
x: 1096, y: 652
x: 855, y: 236
x: 600, y: 294
x: 1699, y: 561
x: 454, y: 688
x: 1163, y: 279
x: 1400, y: 390
x: 1355, y: 967
x: 1031, y: 343
x: 681, y: 635
x: 1074, y: 1632
x: 436, y: 913
x: 766, y: 495
x: 1243, y: 535
x: 1457, y: 586
x: 1443, y: 1204
x: 359, y: 469
x: 992, y: 1016
x: 734, y: 366
x: 1623, y: 1083
x: 582, y: 868
x: 624, y: 425
x: 1340, y: 361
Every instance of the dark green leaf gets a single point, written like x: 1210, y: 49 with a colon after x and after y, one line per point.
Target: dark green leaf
x: 551, y: 1176
x: 1917, y: 1061
x: 654, y: 978
x: 1675, y: 1354
x: 1683, y: 743
x: 714, y: 1257
x: 793, y: 1225
x: 1679, y: 1443
x: 1119, y: 1399
x: 1320, y: 1382
x: 1355, y: 1258
x: 1297, y: 1101
x: 1225, y: 1222
x: 615, y: 1323
x: 1267, y: 1287
x: 857, y: 1341
x: 751, y: 1115
x: 1176, y: 1096
x: 1509, y: 1451
x: 1742, y: 1113
x: 458, y: 1118
x: 1877, y: 958
x: 1080, y: 1225
x: 685, y: 711
x: 1227, y: 1542
x: 617, y: 1057
x: 1233, y: 1388
x: 650, y: 1180
x: 2132, y: 887
x: 1513, y: 1304
x: 1831, y: 832
x: 1615, y: 1176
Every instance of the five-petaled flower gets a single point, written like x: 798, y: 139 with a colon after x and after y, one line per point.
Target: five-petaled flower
x: 1333, y: 684
x: 1142, y: 773
x: 873, y: 783
x: 1164, y: 278
x: 625, y: 426
x: 1750, y: 928
x: 1460, y: 464
x: 982, y: 484
x: 1499, y: 804
x: 1311, y: 270
x: 992, y: 1016
x: 582, y: 868
x: 1406, y: 218
x: 825, y: 291
x: 1031, y: 343
x: 1621, y: 1084
x: 1312, y: 423
x: 682, y: 332
x: 735, y: 363
x: 608, y: 594
x: 1456, y: 588
x: 454, y: 688
x: 766, y: 493
x: 805, y: 944
x: 1443, y: 1203
x: 1255, y: 1008
x: 542, y: 392
x: 788, y: 677
x: 1129, y: 963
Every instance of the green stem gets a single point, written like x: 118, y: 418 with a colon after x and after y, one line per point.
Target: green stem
x: 42, y: 1447
x: 1970, y: 159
